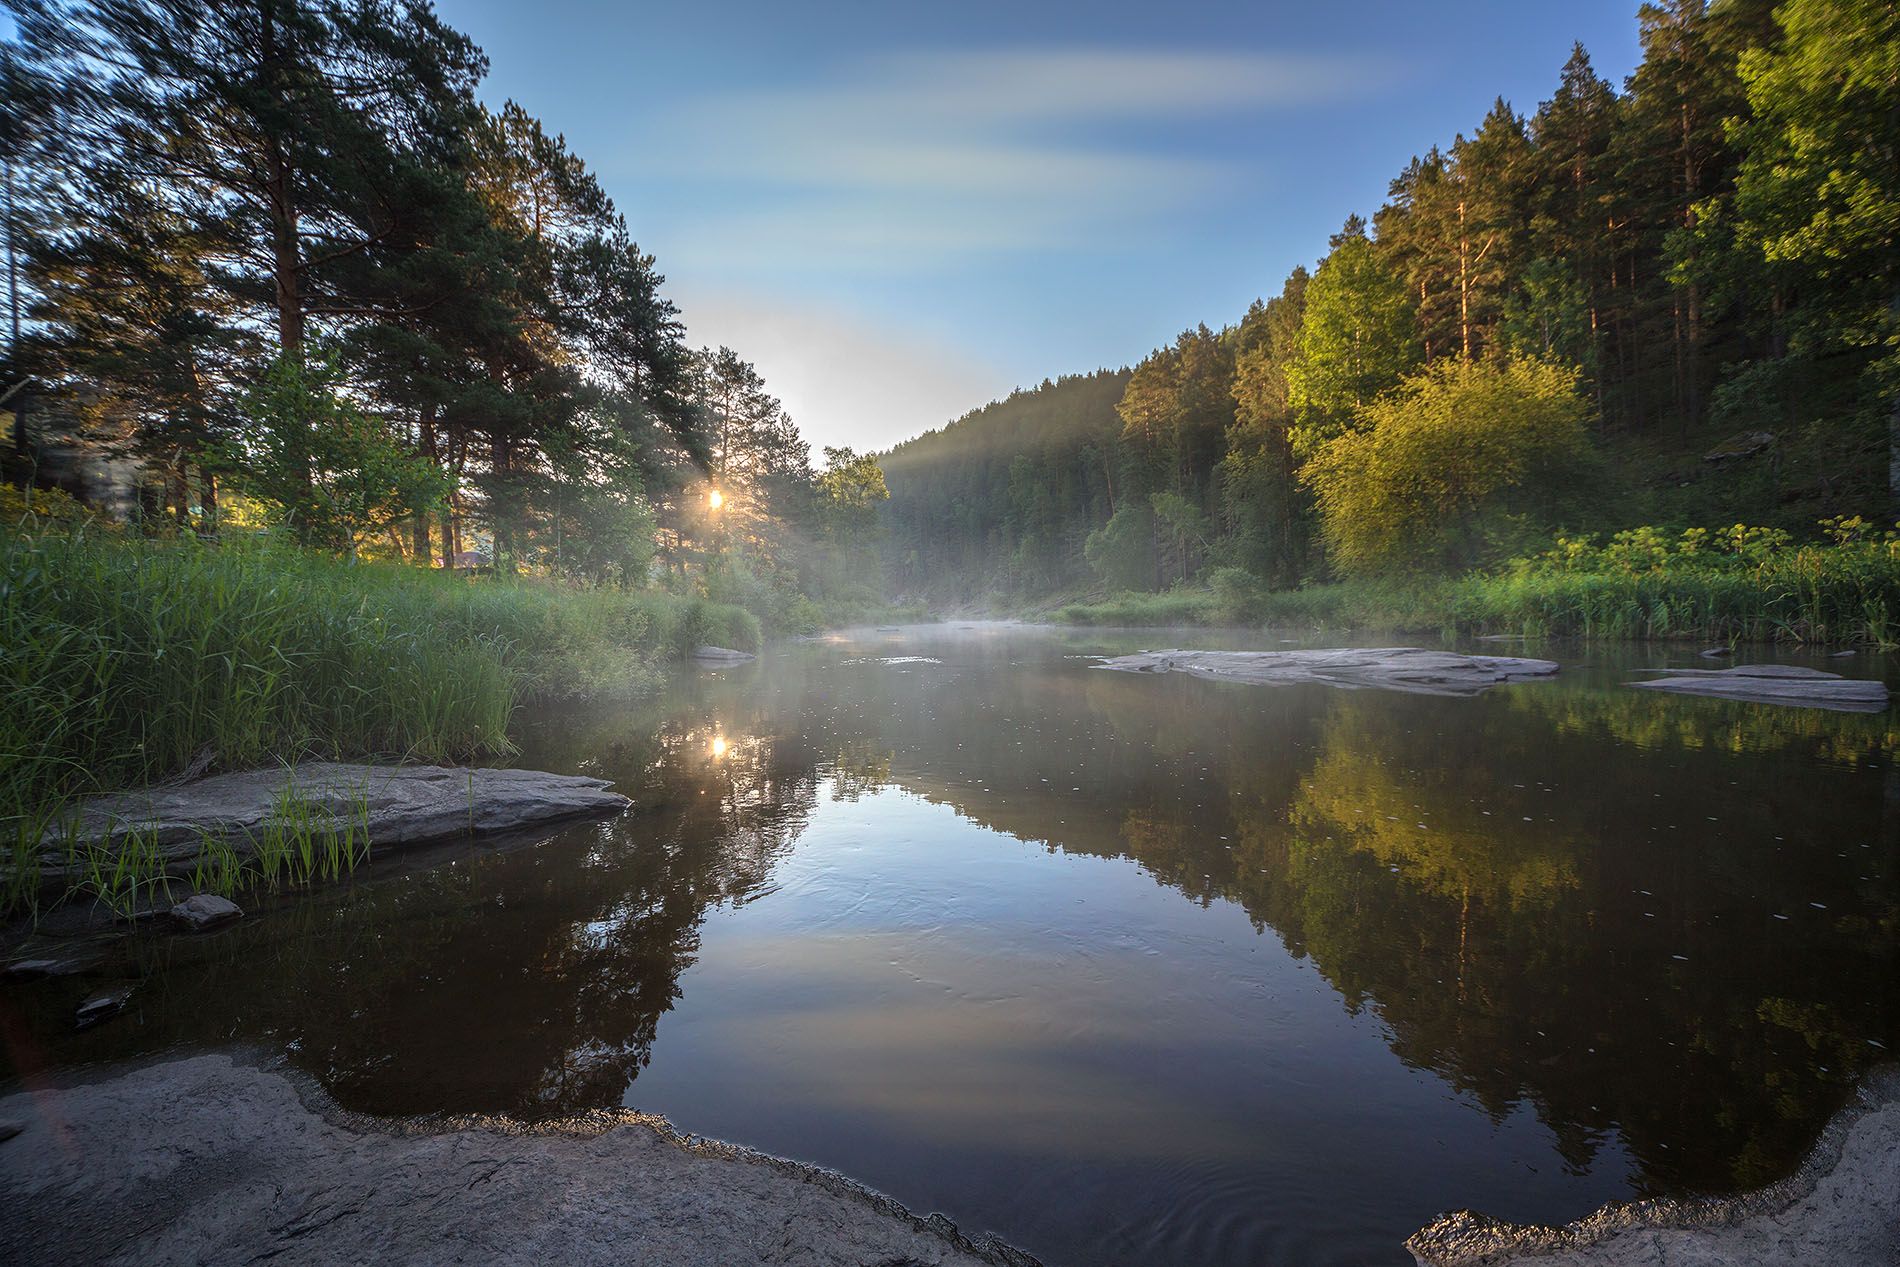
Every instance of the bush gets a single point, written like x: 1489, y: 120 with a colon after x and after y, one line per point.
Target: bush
x: 1463, y: 463
x: 1237, y: 595
x: 1122, y: 551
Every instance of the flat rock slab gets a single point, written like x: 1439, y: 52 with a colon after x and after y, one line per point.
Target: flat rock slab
x: 1409, y: 669
x: 206, y: 1160
x: 1775, y: 684
x: 400, y: 805
x: 722, y: 654
x: 1842, y: 1206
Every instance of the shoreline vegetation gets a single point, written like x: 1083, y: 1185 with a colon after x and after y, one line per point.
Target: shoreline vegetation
x: 1729, y: 586
x: 133, y: 661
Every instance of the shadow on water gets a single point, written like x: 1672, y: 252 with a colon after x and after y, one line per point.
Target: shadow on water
x: 880, y: 905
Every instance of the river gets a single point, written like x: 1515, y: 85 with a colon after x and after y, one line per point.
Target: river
x: 1124, y: 968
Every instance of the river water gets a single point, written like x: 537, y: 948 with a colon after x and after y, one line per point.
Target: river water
x: 1124, y: 968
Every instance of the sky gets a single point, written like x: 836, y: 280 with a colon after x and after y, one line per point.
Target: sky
x: 899, y: 211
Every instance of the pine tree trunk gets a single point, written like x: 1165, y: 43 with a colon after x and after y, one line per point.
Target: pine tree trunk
x: 208, y: 501
x: 178, y: 490
x: 1464, y: 283
x: 425, y: 444
x: 1893, y: 433
x: 286, y: 256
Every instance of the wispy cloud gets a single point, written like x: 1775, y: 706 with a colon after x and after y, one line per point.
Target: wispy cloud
x: 910, y: 162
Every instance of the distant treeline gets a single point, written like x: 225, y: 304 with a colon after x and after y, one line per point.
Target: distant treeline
x: 1544, y: 327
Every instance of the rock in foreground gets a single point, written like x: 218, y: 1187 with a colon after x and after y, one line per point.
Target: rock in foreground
x: 1843, y: 1206
x: 1775, y: 684
x: 202, y: 912
x: 398, y: 805
x: 206, y: 1160
x: 1410, y: 669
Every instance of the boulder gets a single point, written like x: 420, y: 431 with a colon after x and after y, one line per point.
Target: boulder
x: 1743, y: 444
x: 1775, y: 684
x: 398, y: 805
x: 724, y: 654
x: 204, y: 911
x: 1409, y: 669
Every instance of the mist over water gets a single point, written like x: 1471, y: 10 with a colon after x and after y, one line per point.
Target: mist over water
x: 1127, y: 968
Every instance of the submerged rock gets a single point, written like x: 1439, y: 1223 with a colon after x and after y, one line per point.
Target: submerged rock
x: 1842, y: 1206
x: 710, y: 652
x: 207, y: 1160
x: 204, y: 911
x: 64, y: 965
x: 392, y: 805
x: 1409, y: 669
x: 102, y: 1006
x: 1775, y: 684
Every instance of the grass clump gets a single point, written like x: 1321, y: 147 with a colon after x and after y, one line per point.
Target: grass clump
x: 1175, y: 607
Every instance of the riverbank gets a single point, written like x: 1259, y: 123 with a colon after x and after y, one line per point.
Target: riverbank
x: 244, y: 1163
x: 249, y: 1162
x: 1747, y: 585
x: 132, y: 661
x: 1842, y: 1206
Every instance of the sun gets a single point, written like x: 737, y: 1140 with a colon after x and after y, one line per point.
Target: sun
x: 715, y: 499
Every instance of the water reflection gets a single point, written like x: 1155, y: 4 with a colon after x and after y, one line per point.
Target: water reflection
x: 1617, y: 942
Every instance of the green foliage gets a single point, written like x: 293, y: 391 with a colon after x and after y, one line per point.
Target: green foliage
x: 47, y: 510
x: 334, y: 473
x: 1357, y: 339
x: 1817, y: 196
x: 1464, y: 462
x: 1122, y: 550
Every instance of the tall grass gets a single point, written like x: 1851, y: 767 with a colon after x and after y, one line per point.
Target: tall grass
x: 128, y: 660
x: 1736, y: 585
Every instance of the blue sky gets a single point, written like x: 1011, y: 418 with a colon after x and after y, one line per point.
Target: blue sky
x: 899, y: 211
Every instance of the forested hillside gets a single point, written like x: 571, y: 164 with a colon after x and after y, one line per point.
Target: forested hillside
x: 1004, y: 498
x: 1672, y: 303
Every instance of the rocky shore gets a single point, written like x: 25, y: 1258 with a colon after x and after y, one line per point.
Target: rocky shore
x: 1842, y: 1206
x: 212, y: 1159
x: 215, y: 1158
